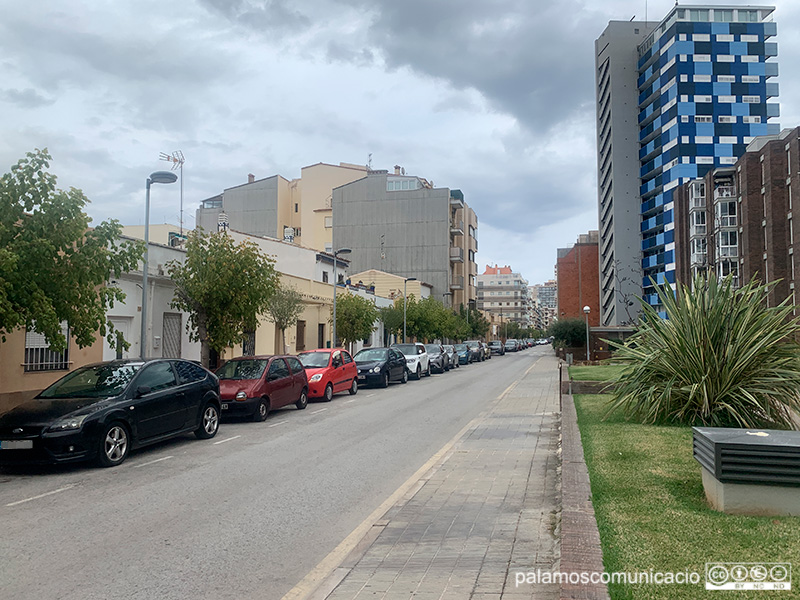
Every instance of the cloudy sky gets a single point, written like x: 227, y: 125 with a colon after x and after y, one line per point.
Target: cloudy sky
x: 494, y: 97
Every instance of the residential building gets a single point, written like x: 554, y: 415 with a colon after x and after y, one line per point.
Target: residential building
x: 401, y: 224
x: 388, y: 285
x: 298, y: 210
x: 738, y: 220
x: 578, y: 279
x: 503, y: 292
x: 702, y: 77
x: 545, y: 296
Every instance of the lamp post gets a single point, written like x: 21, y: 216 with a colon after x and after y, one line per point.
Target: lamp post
x: 157, y: 177
x: 586, y: 311
x: 335, y: 282
x: 405, y: 302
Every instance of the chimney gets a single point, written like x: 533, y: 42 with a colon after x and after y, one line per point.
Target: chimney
x: 250, y: 178
x: 397, y: 169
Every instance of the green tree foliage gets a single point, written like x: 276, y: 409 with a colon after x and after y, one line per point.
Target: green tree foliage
x: 568, y: 333
x: 284, y: 308
x: 224, y: 286
x: 355, y: 317
x: 392, y: 318
x: 53, y: 268
x: 723, y: 358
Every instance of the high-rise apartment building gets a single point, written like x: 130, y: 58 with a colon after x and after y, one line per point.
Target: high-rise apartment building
x: 401, y: 224
x: 505, y: 293
x: 701, y: 81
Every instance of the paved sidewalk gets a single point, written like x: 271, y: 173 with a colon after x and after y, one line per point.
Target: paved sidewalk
x: 488, y: 510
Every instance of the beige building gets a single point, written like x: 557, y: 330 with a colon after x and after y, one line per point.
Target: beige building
x: 388, y: 285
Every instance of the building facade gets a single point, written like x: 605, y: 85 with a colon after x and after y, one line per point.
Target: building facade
x: 702, y: 78
x: 402, y: 225
x: 505, y: 293
x: 738, y: 221
x: 578, y: 279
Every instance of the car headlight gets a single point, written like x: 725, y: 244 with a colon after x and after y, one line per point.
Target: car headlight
x: 376, y: 370
x: 68, y: 423
x: 411, y: 361
x: 316, y: 377
x: 241, y: 396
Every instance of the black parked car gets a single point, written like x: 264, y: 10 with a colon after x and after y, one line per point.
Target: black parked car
x: 103, y: 411
x: 379, y: 366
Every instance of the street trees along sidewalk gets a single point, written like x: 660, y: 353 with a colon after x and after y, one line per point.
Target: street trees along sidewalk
x: 355, y: 318
x: 284, y: 308
x: 723, y: 357
x: 224, y: 286
x: 53, y: 268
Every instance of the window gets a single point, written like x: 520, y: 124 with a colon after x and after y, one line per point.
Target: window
x: 296, y: 207
x: 703, y: 119
x: 726, y: 78
x: 723, y: 16
x: 324, y: 277
x: 189, y: 372
x: 724, y: 37
x: 751, y: 79
x: 158, y: 376
x: 698, y: 223
x: 701, y: 58
x: 749, y: 59
x: 727, y: 119
x: 346, y: 357
x: 749, y: 16
x: 724, y: 58
x: 705, y: 98
x: 702, y: 78
x: 728, y: 243
x: 328, y: 222
x: 296, y: 365
x: 701, y: 37
x: 704, y: 139
x: 726, y: 99
x: 726, y: 213
x: 277, y: 370
x: 697, y: 15
x: 39, y: 356
x: 751, y: 99
x: 751, y: 119
x: 729, y: 267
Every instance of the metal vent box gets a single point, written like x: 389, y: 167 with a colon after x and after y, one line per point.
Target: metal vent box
x: 750, y: 456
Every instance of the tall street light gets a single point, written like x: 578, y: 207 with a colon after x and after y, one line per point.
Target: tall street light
x: 405, y: 296
x: 157, y: 177
x: 335, y: 283
x: 586, y: 311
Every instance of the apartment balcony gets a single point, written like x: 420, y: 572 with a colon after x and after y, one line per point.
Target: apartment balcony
x: 457, y: 284
x: 456, y: 202
x: 698, y: 203
x: 456, y: 255
x: 457, y: 228
x: 697, y: 231
x: 699, y: 259
x: 724, y: 191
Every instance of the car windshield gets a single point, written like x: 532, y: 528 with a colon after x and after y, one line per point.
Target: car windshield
x: 371, y: 354
x: 407, y: 349
x: 243, y: 369
x: 314, y: 360
x: 448, y: 348
x: 472, y: 344
x: 94, y: 381
x: 433, y: 349
x: 460, y: 347
x: 494, y: 343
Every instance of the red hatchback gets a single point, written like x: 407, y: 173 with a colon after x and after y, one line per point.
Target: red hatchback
x: 251, y: 386
x: 329, y: 371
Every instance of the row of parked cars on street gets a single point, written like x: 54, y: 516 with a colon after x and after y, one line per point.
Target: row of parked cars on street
x: 101, y: 412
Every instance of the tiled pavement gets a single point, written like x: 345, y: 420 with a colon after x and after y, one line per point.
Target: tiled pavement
x: 488, y: 510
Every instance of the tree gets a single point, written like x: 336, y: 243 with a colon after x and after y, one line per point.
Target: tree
x: 355, y: 317
x: 722, y: 357
x: 223, y: 286
x: 392, y: 318
x: 53, y: 268
x: 284, y: 308
x: 568, y: 333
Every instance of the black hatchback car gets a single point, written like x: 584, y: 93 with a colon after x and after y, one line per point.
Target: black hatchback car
x: 103, y: 411
x: 379, y: 366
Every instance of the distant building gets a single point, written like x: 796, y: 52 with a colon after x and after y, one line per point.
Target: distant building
x: 503, y: 292
x: 391, y: 286
x: 401, y: 224
x: 578, y: 280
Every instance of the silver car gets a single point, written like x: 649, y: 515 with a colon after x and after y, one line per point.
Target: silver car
x: 452, y: 354
x: 440, y: 360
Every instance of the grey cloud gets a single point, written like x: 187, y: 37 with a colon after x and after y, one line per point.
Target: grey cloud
x: 270, y: 16
x: 27, y: 98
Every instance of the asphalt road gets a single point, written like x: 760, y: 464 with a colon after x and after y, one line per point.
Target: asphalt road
x: 245, y: 515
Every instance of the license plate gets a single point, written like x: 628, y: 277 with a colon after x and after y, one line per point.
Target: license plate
x: 362, y: 377
x: 224, y: 406
x: 16, y: 444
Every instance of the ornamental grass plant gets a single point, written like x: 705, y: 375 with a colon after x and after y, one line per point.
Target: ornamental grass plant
x: 721, y: 358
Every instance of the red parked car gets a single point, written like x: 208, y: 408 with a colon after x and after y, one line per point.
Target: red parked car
x: 329, y: 371
x: 251, y: 386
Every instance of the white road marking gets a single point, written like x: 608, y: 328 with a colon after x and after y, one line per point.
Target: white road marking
x: 370, y: 395
x: 63, y: 489
x: 227, y: 440
x: 319, y: 411
x: 152, y: 462
x: 278, y: 423
x: 349, y: 401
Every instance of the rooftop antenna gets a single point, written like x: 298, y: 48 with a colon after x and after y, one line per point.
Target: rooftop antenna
x: 369, y: 162
x: 177, y: 160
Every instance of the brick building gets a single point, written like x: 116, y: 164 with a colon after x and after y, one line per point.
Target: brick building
x: 738, y: 220
x: 579, y: 280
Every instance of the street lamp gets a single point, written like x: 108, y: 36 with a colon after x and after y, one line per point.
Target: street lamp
x: 335, y: 282
x: 405, y: 296
x: 586, y: 311
x: 157, y: 177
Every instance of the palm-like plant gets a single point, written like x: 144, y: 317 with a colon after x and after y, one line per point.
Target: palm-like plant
x: 721, y: 358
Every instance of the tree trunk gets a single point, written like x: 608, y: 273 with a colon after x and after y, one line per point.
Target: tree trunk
x: 283, y: 341
x: 202, y: 334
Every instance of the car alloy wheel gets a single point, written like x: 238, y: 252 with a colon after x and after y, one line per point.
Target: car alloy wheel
x: 419, y: 372
x: 405, y: 376
x: 328, y: 392
x: 354, y: 387
x: 262, y: 410
x: 385, y: 382
x: 302, y: 402
x: 115, y: 446
x: 209, y: 422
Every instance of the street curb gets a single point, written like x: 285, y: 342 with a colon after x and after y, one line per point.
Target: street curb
x: 331, y: 571
x: 581, y: 551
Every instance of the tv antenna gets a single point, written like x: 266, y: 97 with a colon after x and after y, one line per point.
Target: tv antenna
x: 177, y: 160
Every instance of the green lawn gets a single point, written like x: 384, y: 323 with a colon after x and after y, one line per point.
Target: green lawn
x: 595, y: 373
x: 652, y: 513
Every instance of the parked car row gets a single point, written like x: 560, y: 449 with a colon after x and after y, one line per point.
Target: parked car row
x: 101, y: 412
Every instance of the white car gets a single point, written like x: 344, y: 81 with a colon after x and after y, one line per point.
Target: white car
x: 417, y: 360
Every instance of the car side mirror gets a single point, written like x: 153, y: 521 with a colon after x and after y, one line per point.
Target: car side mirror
x: 143, y: 390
